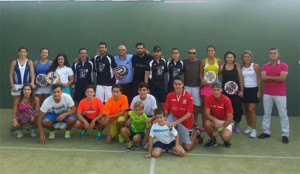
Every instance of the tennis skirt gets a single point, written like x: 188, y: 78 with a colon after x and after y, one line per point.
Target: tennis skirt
x: 250, y: 95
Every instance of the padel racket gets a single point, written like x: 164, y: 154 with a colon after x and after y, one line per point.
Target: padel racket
x: 41, y: 80
x: 121, y: 72
x: 53, y: 78
x: 231, y: 88
x: 210, y: 76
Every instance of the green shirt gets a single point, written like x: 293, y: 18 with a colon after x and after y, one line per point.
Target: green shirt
x: 138, y: 123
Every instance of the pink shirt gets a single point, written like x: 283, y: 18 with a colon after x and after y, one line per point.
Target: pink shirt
x: 275, y: 88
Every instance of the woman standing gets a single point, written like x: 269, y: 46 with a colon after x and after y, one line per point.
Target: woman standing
x: 252, y: 86
x: 231, y: 71
x: 62, y: 67
x: 42, y: 66
x: 21, y: 72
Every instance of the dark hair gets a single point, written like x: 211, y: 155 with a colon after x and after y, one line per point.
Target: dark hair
x: 174, y: 49
x: 159, y: 111
x: 178, y: 77
x: 82, y: 49
x: 90, y: 86
x: 20, y: 48
x: 271, y: 49
x: 193, y: 49
x: 44, y: 49
x: 31, y: 98
x: 140, y: 43
x: 55, y: 86
x: 143, y: 85
x: 229, y: 52
x: 116, y: 86
x: 102, y: 43
x: 211, y: 46
x: 55, y: 62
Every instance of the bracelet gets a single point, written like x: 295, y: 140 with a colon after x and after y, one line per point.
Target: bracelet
x: 220, y: 129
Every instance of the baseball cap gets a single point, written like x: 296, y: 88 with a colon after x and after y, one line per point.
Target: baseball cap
x: 217, y: 84
x: 156, y: 48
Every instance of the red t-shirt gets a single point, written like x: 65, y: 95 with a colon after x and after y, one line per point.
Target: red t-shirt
x: 113, y: 107
x: 91, y: 110
x: 219, y: 108
x: 180, y: 105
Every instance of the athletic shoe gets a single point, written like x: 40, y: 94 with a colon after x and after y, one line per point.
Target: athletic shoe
x: 68, y: 134
x: 248, y: 130
x: 199, y: 137
x: 129, y: 147
x: 20, y: 133
x: 237, y: 128
x: 227, y: 144
x: 83, y: 133
x: 52, y: 135
x: 146, y: 146
x: 264, y: 135
x: 285, y: 139
x: 164, y: 151
x: 137, y: 146
x: 211, y: 143
x: 56, y: 125
x: 253, y: 133
x: 203, y: 128
x: 33, y: 132
x: 121, y: 138
x: 98, y: 135
x: 62, y: 125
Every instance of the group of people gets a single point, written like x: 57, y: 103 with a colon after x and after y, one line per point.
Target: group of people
x: 128, y: 110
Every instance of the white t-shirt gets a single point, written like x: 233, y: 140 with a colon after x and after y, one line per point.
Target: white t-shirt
x: 49, y: 106
x: 149, y: 104
x: 163, y: 133
x: 64, y: 73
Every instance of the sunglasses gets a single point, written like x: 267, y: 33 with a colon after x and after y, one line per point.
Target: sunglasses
x: 192, y: 52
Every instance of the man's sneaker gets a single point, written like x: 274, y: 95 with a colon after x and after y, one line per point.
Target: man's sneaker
x: 211, y: 143
x: 33, y: 132
x: 20, y: 133
x: 121, y: 138
x: 129, y: 147
x: 62, y: 125
x: 253, y: 133
x: 137, y: 146
x: 68, y: 134
x: 56, y: 125
x: 98, y: 135
x: 248, y: 130
x: 227, y: 144
x: 83, y: 133
x: 146, y: 146
x: 285, y: 139
x: 52, y: 135
x: 264, y: 135
x: 237, y: 128
x: 202, y: 128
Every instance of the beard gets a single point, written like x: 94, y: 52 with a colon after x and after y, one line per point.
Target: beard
x: 140, y: 53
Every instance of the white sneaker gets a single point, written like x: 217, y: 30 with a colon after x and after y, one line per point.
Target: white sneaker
x: 56, y: 125
x: 52, y: 135
x: 68, y: 134
x: 62, y: 125
x: 33, y: 132
x: 20, y: 133
x: 248, y: 130
x: 253, y: 133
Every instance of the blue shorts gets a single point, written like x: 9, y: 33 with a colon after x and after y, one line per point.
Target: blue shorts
x: 132, y: 134
x: 52, y: 117
x: 161, y: 145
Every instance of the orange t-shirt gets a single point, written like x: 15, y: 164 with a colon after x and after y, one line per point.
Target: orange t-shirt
x: 113, y: 107
x: 91, y: 110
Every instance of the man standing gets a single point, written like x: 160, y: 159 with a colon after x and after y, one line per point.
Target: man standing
x: 105, y: 67
x: 139, y: 62
x: 175, y: 68
x: 218, y: 116
x: 126, y: 82
x: 191, y: 70
x: 274, y: 74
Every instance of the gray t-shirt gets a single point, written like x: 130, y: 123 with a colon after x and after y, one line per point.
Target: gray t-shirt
x: 191, y: 72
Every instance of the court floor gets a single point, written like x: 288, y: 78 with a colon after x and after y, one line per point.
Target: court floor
x: 88, y: 155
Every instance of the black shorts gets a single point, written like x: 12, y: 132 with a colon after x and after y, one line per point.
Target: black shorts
x: 250, y: 95
x: 89, y: 120
x: 158, y: 90
x: 161, y: 145
x: 132, y: 134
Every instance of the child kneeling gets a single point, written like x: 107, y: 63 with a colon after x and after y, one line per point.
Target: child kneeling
x: 163, y: 138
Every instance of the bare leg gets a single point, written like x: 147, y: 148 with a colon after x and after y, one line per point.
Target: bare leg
x: 156, y: 152
x: 177, y: 150
x: 125, y: 132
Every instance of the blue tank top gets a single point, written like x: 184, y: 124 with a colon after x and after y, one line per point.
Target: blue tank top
x: 21, y: 75
x: 42, y: 69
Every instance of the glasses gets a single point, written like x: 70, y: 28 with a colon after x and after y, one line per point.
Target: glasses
x: 192, y: 52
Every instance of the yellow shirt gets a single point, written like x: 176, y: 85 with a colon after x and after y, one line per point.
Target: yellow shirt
x: 214, y: 67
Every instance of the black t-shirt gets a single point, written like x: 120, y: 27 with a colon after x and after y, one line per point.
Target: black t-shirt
x: 174, y: 69
x: 139, y: 64
x: 103, y: 66
x: 157, y: 69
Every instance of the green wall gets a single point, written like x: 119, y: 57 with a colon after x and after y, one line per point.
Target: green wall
x: 235, y: 25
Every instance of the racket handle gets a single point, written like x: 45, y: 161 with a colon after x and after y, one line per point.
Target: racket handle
x: 117, y: 81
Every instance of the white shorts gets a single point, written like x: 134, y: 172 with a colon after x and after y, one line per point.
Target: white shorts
x: 103, y: 92
x: 43, y: 90
x: 195, y: 91
x: 185, y: 135
x: 17, y: 93
x: 229, y: 127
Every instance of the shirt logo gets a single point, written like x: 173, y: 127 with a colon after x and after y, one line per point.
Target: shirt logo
x: 101, y: 67
x: 160, y: 70
x: 175, y: 71
x: 83, y: 73
x: 184, y: 102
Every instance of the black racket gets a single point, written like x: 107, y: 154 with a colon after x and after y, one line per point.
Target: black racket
x: 121, y: 72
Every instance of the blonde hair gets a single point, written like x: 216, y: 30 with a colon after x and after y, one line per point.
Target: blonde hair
x: 247, y: 52
x: 138, y: 104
